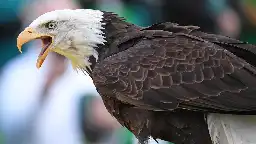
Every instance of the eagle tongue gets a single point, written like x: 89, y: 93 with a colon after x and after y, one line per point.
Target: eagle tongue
x: 46, y: 42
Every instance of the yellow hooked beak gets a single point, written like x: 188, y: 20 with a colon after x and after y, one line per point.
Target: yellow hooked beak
x: 30, y: 34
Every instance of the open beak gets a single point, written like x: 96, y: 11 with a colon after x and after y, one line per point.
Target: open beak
x: 30, y: 34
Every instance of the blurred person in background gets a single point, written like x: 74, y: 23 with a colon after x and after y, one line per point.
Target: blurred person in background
x: 235, y: 18
x: 98, y: 125
x: 227, y: 19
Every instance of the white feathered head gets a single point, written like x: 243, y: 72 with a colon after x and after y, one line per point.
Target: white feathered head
x: 72, y: 33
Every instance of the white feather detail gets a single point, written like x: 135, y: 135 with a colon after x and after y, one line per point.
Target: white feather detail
x: 232, y: 129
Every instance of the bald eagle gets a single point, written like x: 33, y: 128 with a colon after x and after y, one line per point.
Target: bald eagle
x: 160, y: 81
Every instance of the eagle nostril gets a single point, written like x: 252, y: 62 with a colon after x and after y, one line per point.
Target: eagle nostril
x: 29, y: 31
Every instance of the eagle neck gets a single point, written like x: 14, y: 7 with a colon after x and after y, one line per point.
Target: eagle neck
x: 115, y: 29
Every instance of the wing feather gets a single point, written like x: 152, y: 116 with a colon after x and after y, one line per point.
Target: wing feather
x: 180, y: 69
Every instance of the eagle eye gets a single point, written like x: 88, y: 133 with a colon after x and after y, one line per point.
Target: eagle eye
x: 50, y: 25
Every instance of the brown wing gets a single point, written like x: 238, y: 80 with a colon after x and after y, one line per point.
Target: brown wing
x: 239, y: 48
x: 166, y: 71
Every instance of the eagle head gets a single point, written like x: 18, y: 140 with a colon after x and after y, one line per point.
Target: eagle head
x: 74, y: 34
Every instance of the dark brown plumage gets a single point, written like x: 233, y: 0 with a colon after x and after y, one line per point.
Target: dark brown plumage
x: 160, y: 81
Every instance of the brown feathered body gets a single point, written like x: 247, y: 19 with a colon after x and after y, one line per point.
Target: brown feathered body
x: 162, y: 80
